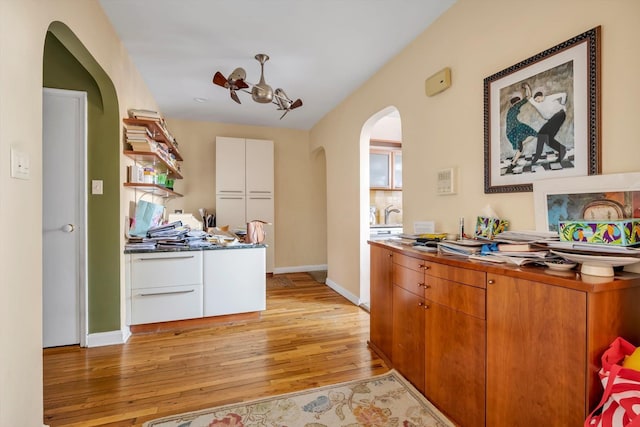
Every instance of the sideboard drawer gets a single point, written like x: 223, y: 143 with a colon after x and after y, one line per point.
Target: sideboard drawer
x: 456, y: 274
x: 408, y: 262
x: 150, y: 305
x: 408, y: 279
x: 152, y: 270
x: 463, y: 298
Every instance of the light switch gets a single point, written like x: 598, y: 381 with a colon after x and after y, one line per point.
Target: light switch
x: 19, y: 164
x: 96, y: 186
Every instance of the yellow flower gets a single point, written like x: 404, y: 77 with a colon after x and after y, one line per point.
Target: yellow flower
x: 371, y: 416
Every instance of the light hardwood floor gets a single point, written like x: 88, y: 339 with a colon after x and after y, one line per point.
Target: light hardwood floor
x: 309, y: 336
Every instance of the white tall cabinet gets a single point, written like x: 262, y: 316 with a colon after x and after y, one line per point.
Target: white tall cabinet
x: 245, y: 186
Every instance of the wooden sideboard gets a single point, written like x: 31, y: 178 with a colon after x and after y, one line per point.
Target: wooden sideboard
x: 498, y: 345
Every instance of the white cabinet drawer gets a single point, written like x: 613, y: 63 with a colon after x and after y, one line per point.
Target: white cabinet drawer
x: 167, y: 303
x: 151, y: 270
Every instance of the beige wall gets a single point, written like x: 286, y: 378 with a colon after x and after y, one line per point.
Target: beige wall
x: 300, y: 208
x: 23, y: 25
x: 476, y: 39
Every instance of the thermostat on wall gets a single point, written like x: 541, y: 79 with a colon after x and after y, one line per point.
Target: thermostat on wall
x: 438, y: 82
x: 446, y: 181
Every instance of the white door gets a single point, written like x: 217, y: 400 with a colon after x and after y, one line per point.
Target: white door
x: 63, y: 217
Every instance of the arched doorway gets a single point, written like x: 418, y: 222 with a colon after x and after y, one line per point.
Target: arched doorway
x: 385, y: 125
x: 67, y: 64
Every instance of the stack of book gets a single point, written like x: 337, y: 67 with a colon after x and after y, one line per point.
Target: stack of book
x: 155, y: 116
x: 465, y: 247
x: 139, y: 243
x: 136, y: 113
x: 139, y: 138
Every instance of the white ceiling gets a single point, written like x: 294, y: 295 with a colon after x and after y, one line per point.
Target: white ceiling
x: 320, y: 50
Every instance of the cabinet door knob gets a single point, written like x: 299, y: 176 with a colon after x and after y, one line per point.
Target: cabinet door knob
x: 491, y: 281
x: 426, y: 267
x: 427, y: 286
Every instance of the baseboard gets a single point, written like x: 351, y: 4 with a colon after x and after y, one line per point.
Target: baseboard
x: 101, y: 339
x: 342, y: 291
x: 299, y: 269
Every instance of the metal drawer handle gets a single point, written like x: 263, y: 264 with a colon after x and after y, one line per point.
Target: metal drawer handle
x: 260, y: 191
x: 167, y: 293
x: 173, y: 257
x: 230, y: 191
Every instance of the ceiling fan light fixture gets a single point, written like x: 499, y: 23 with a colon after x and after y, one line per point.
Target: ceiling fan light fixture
x: 261, y: 92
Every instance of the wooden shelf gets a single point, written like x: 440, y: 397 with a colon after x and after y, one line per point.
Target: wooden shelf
x: 160, y: 134
x: 151, y: 158
x: 157, y: 190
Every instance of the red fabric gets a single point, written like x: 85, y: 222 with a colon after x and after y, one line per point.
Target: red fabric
x: 620, y: 402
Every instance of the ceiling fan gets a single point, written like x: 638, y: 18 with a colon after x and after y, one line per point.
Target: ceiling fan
x: 260, y: 92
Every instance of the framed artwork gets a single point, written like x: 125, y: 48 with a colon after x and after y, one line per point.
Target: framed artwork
x: 597, y: 197
x: 542, y: 117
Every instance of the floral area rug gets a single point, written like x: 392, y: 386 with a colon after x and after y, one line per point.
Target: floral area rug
x: 386, y: 400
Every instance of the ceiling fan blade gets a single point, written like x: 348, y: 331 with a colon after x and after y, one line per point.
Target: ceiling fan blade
x: 241, y: 84
x: 234, y: 96
x: 220, y: 80
x: 297, y: 103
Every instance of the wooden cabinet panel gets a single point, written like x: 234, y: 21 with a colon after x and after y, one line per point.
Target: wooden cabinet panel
x: 456, y: 274
x: 411, y: 280
x: 408, y: 336
x: 464, y: 298
x: 525, y: 343
x: 381, y: 294
x: 455, y: 364
x: 409, y: 262
x: 536, y: 359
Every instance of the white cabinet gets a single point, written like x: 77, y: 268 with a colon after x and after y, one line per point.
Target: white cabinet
x: 259, y: 167
x: 164, y: 286
x: 385, y: 168
x: 234, y: 281
x: 245, y: 186
x: 231, y: 210
x: 230, y: 166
